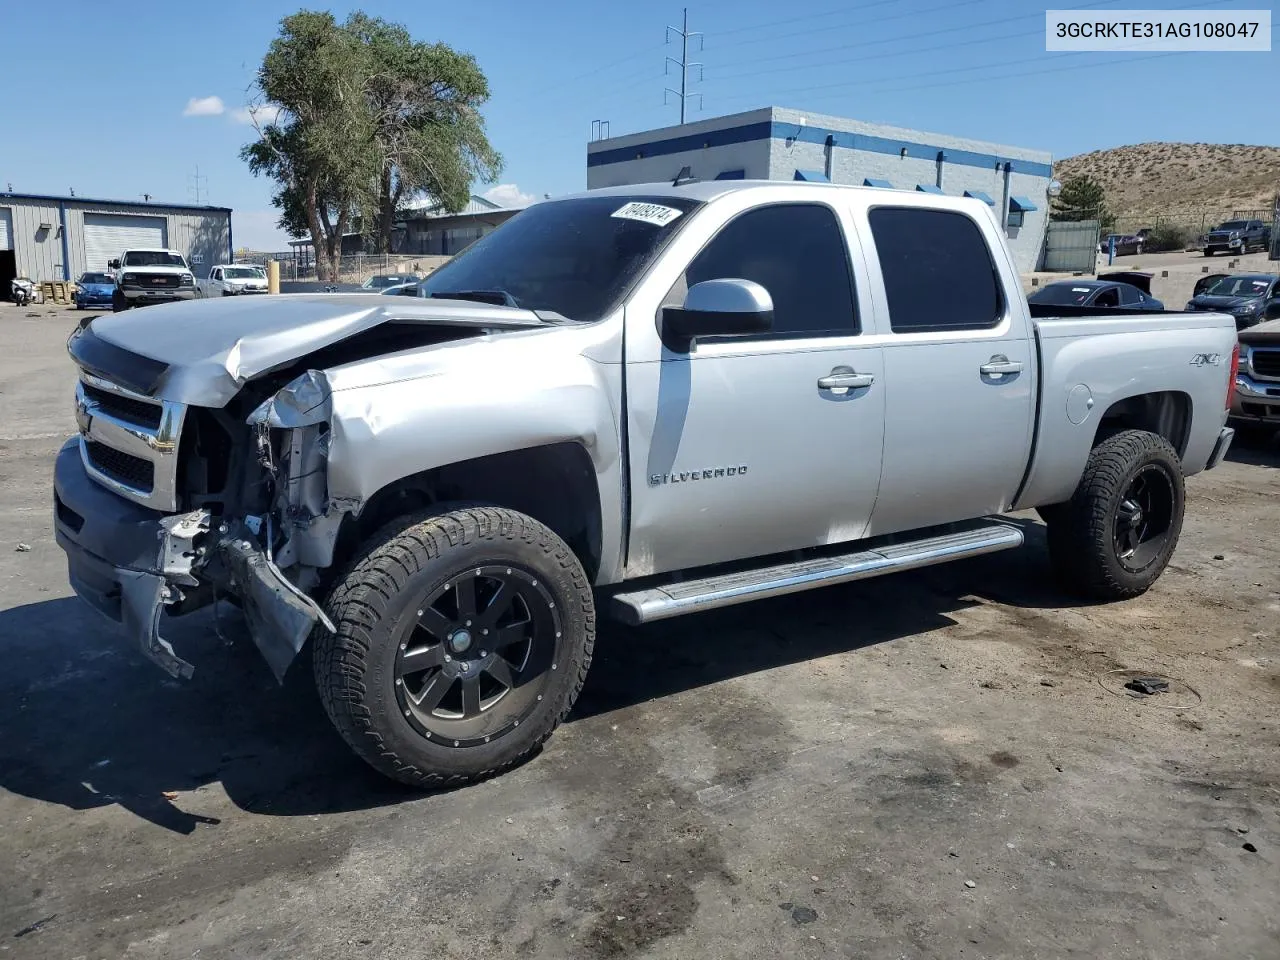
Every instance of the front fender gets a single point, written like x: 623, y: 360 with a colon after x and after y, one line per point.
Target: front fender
x: 472, y: 400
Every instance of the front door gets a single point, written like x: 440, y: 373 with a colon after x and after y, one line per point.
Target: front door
x: 747, y: 446
x: 959, y: 368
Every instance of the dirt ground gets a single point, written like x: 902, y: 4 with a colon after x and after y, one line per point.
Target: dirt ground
x: 935, y: 764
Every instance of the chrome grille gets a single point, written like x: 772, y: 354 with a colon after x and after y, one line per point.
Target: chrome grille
x: 1265, y: 363
x: 129, y: 442
x: 124, y: 467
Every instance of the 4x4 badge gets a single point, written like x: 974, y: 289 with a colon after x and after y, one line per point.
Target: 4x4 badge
x: 1200, y: 359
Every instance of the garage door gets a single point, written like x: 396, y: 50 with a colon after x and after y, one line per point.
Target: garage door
x: 6, y: 229
x: 107, y: 235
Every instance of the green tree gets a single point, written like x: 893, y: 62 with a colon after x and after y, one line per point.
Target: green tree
x: 425, y: 103
x: 362, y: 119
x: 1082, y: 198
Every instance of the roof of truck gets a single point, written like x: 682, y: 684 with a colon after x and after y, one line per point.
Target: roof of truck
x: 707, y: 190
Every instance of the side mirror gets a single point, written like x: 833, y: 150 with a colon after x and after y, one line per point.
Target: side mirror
x: 113, y: 265
x: 718, y: 308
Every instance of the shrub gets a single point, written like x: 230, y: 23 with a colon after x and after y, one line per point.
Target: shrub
x: 1166, y: 236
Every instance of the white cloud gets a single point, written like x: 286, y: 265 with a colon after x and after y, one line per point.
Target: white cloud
x: 509, y: 195
x: 265, y: 114
x: 204, y: 107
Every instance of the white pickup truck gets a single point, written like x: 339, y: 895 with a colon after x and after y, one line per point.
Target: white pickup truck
x: 232, y: 280
x: 644, y: 401
x: 150, y: 276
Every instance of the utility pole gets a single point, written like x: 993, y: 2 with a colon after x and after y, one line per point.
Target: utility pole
x: 684, y: 65
x: 196, y: 178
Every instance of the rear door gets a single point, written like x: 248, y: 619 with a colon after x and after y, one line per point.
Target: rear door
x: 959, y: 367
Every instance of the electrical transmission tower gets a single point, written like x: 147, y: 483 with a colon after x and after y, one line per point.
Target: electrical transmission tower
x: 684, y: 65
x: 194, y: 189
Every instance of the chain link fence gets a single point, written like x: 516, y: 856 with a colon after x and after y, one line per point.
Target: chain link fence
x: 1191, y: 225
x: 355, y: 268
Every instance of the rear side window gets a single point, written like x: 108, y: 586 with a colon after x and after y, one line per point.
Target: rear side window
x: 797, y: 252
x: 938, y: 273
x: 1130, y: 295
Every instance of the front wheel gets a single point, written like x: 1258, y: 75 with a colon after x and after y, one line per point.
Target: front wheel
x: 118, y: 302
x: 1114, y: 537
x: 463, y: 639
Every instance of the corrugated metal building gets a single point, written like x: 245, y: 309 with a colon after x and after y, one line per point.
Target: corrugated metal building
x: 59, y: 238
x: 434, y: 231
x: 774, y: 143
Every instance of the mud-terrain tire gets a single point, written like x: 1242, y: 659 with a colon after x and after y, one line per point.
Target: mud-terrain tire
x: 1114, y: 537
x: 421, y: 644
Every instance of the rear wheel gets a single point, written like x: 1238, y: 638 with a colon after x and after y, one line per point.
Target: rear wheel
x: 1114, y: 537
x: 463, y: 639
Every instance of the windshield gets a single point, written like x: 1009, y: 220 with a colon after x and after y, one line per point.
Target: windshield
x: 577, y: 258
x: 242, y: 273
x: 96, y: 278
x: 1061, y: 294
x: 1234, y: 225
x: 388, y: 280
x: 1240, y: 287
x: 152, y: 258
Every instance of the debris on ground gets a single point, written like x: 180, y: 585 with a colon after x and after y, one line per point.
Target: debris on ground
x: 170, y: 794
x: 35, y: 927
x: 1147, y: 686
x: 23, y: 548
x: 1250, y: 847
x: 970, y: 884
x: 803, y: 915
x: 1219, y: 556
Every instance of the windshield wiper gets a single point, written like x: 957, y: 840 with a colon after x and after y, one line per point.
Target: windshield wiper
x: 499, y: 298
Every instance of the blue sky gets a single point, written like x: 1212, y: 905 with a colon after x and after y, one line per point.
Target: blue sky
x: 973, y: 68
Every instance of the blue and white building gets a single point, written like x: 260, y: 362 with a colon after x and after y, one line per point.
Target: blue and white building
x: 774, y: 143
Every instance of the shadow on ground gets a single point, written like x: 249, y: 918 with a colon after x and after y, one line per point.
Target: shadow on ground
x: 1257, y: 449
x: 87, y: 722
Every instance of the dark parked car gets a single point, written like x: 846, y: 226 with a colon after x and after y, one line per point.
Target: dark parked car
x: 94, y: 290
x: 1249, y: 297
x: 1127, y: 242
x: 1103, y: 292
x: 383, y: 280
x: 1237, y: 236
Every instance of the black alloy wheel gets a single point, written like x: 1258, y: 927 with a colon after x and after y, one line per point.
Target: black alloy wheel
x: 1144, y: 518
x: 486, y: 638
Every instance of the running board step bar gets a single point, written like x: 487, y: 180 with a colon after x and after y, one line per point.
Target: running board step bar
x: 723, y: 590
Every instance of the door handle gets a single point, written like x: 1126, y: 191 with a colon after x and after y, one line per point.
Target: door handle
x: 839, y: 381
x: 1000, y: 365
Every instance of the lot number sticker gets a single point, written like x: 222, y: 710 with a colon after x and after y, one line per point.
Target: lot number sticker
x: 654, y: 213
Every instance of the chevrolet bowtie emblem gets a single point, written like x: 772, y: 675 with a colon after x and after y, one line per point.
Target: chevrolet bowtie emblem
x: 83, y: 417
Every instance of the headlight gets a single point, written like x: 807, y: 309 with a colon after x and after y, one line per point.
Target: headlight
x: 187, y: 280
x: 1246, y: 309
x: 1191, y: 305
x: 130, y: 277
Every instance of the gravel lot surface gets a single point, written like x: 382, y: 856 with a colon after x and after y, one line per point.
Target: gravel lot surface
x: 936, y: 764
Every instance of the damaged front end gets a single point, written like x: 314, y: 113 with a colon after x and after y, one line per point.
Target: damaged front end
x: 255, y: 528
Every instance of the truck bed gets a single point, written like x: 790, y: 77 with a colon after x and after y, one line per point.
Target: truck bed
x: 1092, y: 362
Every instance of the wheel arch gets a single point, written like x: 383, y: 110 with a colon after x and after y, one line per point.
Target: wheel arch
x: 554, y: 483
x: 1166, y: 413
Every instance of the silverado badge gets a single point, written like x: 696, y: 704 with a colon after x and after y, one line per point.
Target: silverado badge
x: 714, y: 473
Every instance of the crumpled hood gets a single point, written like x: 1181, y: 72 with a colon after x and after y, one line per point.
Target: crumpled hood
x: 204, y: 351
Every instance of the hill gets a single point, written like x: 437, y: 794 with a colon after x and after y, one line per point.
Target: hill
x: 1216, y: 178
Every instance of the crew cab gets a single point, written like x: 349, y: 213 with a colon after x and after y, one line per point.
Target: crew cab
x: 1236, y: 236
x: 637, y: 402
x: 150, y: 276
x: 231, y: 280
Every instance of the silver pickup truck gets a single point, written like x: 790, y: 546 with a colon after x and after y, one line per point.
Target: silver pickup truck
x: 642, y: 402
